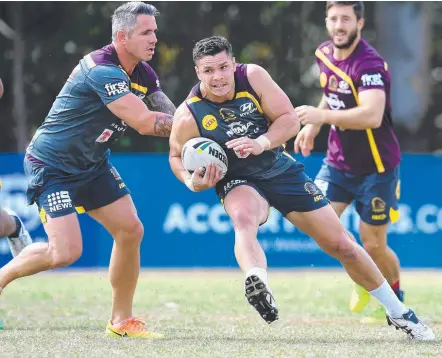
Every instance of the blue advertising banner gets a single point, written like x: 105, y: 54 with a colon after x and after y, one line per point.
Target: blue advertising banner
x: 186, y: 229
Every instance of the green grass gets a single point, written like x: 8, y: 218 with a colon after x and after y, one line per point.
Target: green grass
x: 204, y: 314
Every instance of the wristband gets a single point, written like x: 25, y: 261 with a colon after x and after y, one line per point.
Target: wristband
x: 189, y: 182
x: 263, y: 141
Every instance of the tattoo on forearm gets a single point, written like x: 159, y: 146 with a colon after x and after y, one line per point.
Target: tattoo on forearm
x: 163, y: 125
x: 159, y: 102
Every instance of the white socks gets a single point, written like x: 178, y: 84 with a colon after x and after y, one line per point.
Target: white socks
x: 385, y: 295
x: 258, y: 271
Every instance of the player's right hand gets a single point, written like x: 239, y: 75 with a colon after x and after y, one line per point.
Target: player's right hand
x: 305, y: 140
x: 206, y: 179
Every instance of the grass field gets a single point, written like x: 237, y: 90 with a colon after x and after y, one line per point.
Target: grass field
x: 204, y: 314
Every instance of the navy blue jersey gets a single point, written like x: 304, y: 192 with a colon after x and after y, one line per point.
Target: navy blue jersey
x: 240, y: 117
x: 79, y: 129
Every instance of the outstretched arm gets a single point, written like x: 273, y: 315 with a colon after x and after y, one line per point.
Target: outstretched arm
x: 159, y: 102
x: 134, y: 112
x: 112, y: 86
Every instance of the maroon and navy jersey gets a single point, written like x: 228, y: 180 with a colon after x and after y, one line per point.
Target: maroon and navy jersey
x: 79, y: 129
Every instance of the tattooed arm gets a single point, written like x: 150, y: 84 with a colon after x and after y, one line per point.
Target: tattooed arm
x: 163, y: 125
x: 134, y: 112
x: 159, y: 102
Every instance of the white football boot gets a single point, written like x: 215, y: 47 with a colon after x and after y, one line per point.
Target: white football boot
x: 411, y: 325
x: 17, y: 244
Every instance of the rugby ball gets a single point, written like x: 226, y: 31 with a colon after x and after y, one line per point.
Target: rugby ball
x: 199, y: 152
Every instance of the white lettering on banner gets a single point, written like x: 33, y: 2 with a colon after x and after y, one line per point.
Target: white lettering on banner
x: 175, y: 220
x: 429, y: 219
x: 284, y: 245
x: 199, y: 218
x: 219, y: 225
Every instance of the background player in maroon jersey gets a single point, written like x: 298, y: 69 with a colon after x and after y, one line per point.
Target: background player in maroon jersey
x: 363, y: 156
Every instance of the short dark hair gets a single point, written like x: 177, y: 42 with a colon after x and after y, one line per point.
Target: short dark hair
x: 211, y: 46
x: 125, y: 16
x: 358, y: 7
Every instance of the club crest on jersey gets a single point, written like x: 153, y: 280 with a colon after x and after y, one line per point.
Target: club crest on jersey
x: 227, y: 114
x: 209, y: 122
x: 332, y: 83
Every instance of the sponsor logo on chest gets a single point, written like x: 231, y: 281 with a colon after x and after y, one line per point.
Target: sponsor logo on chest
x: 247, y: 109
x: 334, y: 102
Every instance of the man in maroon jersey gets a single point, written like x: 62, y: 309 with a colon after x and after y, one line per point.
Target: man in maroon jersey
x: 363, y: 155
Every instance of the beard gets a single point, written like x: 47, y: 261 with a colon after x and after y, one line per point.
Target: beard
x: 352, y: 35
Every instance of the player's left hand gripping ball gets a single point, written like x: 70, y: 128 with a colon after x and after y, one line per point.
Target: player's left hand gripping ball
x: 310, y: 115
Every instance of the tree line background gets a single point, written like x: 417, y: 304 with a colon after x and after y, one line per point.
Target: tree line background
x: 41, y: 42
